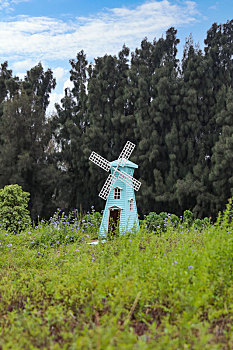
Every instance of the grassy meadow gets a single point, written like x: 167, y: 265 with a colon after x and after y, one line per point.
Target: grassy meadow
x: 144, y: 290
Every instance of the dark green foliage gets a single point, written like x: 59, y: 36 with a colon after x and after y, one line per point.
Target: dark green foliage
x: 222, y: 159
x: 69, y: 127
x: 14, y: 215
x: 25, y: 153
x: 8, y: 84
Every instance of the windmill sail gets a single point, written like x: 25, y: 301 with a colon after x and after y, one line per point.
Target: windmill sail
x: 108, y: 185
x: 122, y: 175
x: 126, y: 153
x: 100, y: 161
x: 129, y: 180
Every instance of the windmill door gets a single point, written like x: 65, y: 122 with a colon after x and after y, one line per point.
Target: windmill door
x: 114, y: 219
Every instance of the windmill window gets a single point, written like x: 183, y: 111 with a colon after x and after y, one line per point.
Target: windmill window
x: 131, y: 204
x: 117, y: 193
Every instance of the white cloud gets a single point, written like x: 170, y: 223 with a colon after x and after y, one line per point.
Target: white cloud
x: 213, y: 7
x: 54, y: 98
x: 59, y: 73
x: 24, y: 65
x: 8, y: 4
x: 52, y: 39
x: 19, y: 1
x: 4, y: 4
x: 68, y: 84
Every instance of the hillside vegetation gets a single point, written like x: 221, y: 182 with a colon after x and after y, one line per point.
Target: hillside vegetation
x: 145, y: 290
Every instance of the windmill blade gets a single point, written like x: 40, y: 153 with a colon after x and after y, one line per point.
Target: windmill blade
x: 129, y: 180
x: 108, y: 185
x: 100, y: 161
x: 126, y: 152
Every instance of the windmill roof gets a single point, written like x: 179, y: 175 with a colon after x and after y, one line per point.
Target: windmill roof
x: 128, y: 164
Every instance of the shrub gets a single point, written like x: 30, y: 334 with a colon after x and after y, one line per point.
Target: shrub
x: 156, y: 222
x: 200, y: 224
x: 14, y: 215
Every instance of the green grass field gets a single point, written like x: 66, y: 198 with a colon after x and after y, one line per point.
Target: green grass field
x: 139, y: 291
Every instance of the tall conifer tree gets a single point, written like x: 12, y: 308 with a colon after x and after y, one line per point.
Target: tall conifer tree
x: 25, y: 136
x: 222, y: 159
x: 69, y: 129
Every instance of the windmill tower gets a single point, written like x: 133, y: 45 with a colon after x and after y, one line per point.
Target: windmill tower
x: 118, y: 190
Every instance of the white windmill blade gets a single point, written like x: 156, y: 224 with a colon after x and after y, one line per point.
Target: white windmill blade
x: 129, y: 180
x: 108, y: 185
x: 100, y: 161
x: 126, y: 152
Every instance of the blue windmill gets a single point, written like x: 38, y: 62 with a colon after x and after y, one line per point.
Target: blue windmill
x: 118, y: 190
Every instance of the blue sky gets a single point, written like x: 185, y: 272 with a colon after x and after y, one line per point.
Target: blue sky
x: 53, y: 31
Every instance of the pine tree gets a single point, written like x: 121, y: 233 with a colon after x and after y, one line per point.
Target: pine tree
x: 153, y: 88
x: 39, y: 84
x: 192, y: 113
x: 8, y: 84
x: 70, y: 125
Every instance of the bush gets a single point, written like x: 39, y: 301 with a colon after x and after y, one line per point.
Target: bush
x: 14, y: 215
x: 200, y: 224
x: 159, y: 222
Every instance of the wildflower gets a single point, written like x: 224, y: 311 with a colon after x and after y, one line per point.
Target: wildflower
x: 130, y: 241
x: 175, y: 262
x: 190, y: 267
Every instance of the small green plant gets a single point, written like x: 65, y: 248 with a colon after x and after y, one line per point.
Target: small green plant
x: 188, y: 217
x: 14, y: 215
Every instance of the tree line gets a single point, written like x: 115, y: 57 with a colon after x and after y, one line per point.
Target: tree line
x: 179, y: 113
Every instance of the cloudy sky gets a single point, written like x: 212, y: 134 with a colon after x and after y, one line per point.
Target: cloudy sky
x: 53, y: 31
